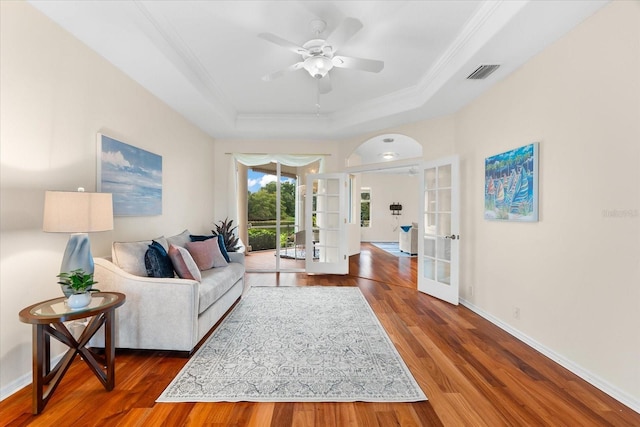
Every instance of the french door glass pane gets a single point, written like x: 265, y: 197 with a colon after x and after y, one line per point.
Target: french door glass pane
x: 429, y: 268
x: 327, y: 221
x: 430, y: 178
x: 429, y: 247
x: 444, y: 272
x: 444, y: 224
x: 444, y: 200
x: 444, y: 248
x: 444, y: 176
x: 437, y: 224
x: 430, y: 201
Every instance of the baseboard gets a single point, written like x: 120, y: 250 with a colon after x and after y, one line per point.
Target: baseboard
x: 15, y: 385
x: 589, y: 377
x: 23, y: 381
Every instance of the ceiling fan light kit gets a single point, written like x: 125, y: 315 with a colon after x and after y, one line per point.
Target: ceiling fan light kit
x: 318, y: 55
x: 318, y: 66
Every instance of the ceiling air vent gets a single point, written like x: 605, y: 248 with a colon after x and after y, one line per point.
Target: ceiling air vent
x: 482, y: 72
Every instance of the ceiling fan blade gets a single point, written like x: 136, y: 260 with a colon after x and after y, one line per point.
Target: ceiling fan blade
x: 371, y: 65
x: 284, y: 43
x: 280, y: 73
x: 324, y: 85
x: 343, y: 32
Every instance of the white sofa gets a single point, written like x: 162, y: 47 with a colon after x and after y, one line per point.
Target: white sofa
x: 168, y: 313
x: 408, y: 239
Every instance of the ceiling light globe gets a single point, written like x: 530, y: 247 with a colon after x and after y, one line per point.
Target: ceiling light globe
x: 389, y: 155
x: 318, y: 66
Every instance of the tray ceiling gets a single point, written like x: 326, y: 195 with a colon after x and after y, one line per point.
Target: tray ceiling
x: 205, y: 59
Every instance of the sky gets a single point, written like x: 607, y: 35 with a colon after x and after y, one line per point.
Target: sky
x: 257, y: 180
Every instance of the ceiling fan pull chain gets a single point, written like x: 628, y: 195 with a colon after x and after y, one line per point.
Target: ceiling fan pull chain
x: 318, y: 100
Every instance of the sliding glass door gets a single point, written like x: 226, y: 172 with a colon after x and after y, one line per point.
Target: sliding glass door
x: 270, y: 208
x: 272, y: 211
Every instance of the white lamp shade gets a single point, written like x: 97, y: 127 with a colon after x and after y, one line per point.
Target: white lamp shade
x: 77, y: 212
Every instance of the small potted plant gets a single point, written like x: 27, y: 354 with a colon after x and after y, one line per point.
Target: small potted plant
x: 77, y: 287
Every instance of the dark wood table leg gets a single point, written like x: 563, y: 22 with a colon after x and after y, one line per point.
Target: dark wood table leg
x: 110, y: 349
x: 46, y: 379
x: 95, y: 362
x: 39, y: 371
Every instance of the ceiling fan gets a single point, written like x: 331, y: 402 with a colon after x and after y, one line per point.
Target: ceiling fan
x: 319, y: 56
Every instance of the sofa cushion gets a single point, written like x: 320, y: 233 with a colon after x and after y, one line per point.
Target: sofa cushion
x: 157, y: 261
x: 179, y: 239
x: 220, y: 237
x: 216, y: 282
x: 129, y: 256
x: 183, y: 263
x: 206, y: 254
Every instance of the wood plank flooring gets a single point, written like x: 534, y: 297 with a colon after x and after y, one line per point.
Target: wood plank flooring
x: 473, y: 373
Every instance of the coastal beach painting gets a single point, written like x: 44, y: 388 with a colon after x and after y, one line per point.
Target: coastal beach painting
x: 511, y: 185
x: 132, y: 175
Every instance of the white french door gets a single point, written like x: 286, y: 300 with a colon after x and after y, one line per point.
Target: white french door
x: 326, y: 221
x: 438, y: 249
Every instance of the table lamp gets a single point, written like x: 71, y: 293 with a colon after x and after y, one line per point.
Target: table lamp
x: 78, y: 213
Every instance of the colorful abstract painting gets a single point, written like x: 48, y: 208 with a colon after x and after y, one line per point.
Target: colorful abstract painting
x: 511, y: 185
x: 132, y: 175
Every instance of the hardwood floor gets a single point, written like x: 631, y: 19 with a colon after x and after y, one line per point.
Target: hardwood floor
x: 473, y: 373
x: 266, y: 260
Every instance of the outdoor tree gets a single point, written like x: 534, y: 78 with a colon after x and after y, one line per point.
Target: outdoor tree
x: 262, y: 206
x: 262, y: 203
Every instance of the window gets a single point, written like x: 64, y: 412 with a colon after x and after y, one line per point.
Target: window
x: 365, y: 207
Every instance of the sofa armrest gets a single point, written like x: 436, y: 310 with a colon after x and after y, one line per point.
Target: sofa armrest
x: 159, y: 313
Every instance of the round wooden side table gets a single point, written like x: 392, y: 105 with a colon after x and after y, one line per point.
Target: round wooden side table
x: 47, y: 318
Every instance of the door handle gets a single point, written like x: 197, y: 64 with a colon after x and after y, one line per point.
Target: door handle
x: 452, y: 237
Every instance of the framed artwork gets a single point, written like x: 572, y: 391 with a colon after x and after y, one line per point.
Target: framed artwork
x: 132, y: 175
x: 511, y: 185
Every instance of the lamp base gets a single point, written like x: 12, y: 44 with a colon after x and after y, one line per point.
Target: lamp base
x: 76, y: 255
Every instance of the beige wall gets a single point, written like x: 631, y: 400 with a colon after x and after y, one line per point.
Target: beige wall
x: 56, y: 95
x: 575, y: 274
x: 385, y: 190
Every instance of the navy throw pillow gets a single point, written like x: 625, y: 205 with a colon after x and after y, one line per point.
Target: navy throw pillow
x: 157, y: 261
x: 223, y: 247
x: 198, y: 238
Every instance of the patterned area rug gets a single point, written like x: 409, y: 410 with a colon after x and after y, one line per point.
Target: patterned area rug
x: 393, y: 248
x: 297, y: 344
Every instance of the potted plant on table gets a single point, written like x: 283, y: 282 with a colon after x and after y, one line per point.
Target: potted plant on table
x: 77, y: 286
